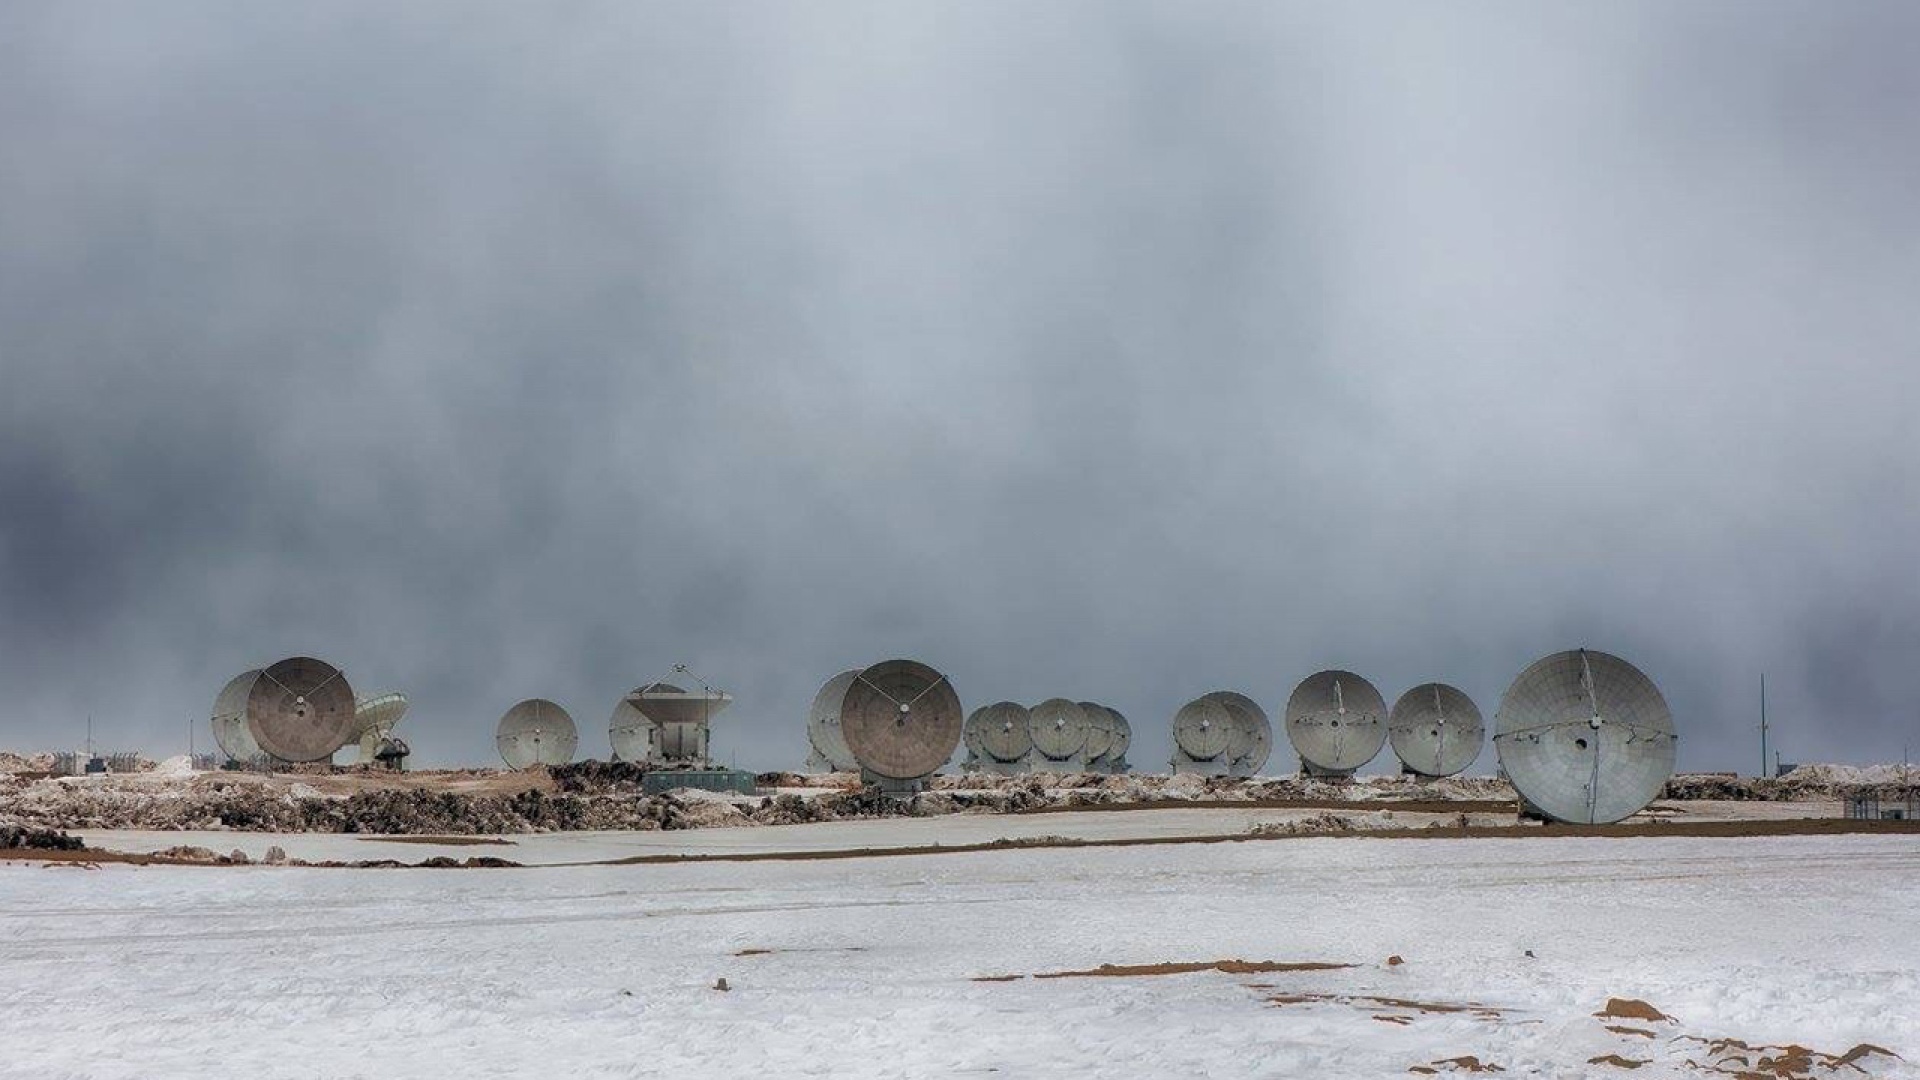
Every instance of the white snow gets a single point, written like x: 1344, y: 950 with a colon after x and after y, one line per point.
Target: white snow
x: 607, y: 971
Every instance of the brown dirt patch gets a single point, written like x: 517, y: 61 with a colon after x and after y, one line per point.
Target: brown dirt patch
x: 1791, y: 1061
x: 1408, y: 806
x: 1622, y: 1029
x: 1367, y: 1001
x: 450, y: 841
x: 1230, y: 967
x: 1469, y: 1063
x: 1630, y: 1009
x: 1616, y: 1061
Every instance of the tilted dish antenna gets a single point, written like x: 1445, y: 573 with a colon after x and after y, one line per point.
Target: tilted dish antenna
x: 902, y: 721
x: 1122, y: 742
x: 829, y: 746
x: 1336, y: 722
x: 1202, y: 732
x: 1435, y: 730
x: 1060, y: 729
x: 536, y: 732
x: 1099, y: 735
x: 374, y: 718
x: 1002, y: 734
x: 230, y: 731
x: 1585, y: 738
x: 1251, y: 741
x: 300, y: 709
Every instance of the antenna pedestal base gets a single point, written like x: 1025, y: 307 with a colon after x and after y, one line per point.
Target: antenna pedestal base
x: 1314, y: 772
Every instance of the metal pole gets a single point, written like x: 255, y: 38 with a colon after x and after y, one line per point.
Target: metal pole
x: 1763, y: 725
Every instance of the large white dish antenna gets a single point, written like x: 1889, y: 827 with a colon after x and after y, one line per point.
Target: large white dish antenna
x: 230, y: 720
x: 1060, y: 728
x: 1251, y: 740
x: 1099, y: 734
x: 1585, y: 737
x: 374, y: 718
x: 1002, y: 731
x: 1122, y: 741
x: 830, y: 751
x: 1435, y: 730
x: 901, y: 719
x: 536, y: 732
x: 300, y: 709
x: 1203, y: 729
x: 1336, y: 722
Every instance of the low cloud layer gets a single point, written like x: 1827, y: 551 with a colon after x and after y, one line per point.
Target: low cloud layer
x: 1119, y: 351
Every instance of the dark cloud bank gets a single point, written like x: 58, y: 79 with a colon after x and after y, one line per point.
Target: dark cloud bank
x: 1112, y: 350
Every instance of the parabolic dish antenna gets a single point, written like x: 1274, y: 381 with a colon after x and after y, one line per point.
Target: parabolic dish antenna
x: 1002, y: 732
x: 1203, y: 728
x: 374, y: 719
x: 629, y: 731
x: 1251, y: 740
x: 1099, y: 732
x: 1122, y: 739
x: 230, y: 719
x: 901, y: 719
x: 300, y: 709
x: 1336, y: 721
x: 536, y: 732
x: 823, y: 723
x: 1059, y: 727
x: 1585, y: 737
x: 680, y: 720
x: 1435, y: 730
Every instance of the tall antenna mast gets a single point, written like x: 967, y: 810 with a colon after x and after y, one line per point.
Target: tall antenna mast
x: 1763, y: 725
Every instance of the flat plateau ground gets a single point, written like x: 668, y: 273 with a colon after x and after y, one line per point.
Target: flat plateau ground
x: 920, y: 965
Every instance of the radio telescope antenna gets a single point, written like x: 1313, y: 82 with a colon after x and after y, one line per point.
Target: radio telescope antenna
x: 1099, y: 736
x: 1435, y: 730
x: 1337, y: 722
x: 300, y: 709
x: 536, y: 732
x: 1122, y: 742
x: 1203, y: 730
x: 1060, y: 729
x: 902, y: 721
x: 1002, y: 737
x: 829, y: 746
x: 1585, y: 737
x: 229, y: 722
x: 1252, y: 736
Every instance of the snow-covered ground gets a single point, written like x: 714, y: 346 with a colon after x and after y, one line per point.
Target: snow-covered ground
x: 262, y: 972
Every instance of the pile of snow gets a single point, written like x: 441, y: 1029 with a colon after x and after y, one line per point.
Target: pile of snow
x: 177, y: 765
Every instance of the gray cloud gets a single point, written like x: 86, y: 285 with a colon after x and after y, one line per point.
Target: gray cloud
x: 1120, y: 351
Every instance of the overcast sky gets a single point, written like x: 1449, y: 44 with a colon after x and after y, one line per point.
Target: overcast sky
x: 1108, y: 350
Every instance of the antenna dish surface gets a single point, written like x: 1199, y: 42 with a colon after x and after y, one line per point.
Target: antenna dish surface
x: 230, y: 719
x: 1060, y: 728
x: 374, y: 719
x: 629, y: 732
x: 1122, y: 734
x: 823, y: 723
x: 1251, y: 741
x: 1585, y: 737
x: 1099, y: 730
x: 1001, y: 732
x: 1435, y: 730
x: 1203, y: 728
x: 901, y: 719
x: 536, y: 732
x: 300, y: 709
x: 1336, y: 721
